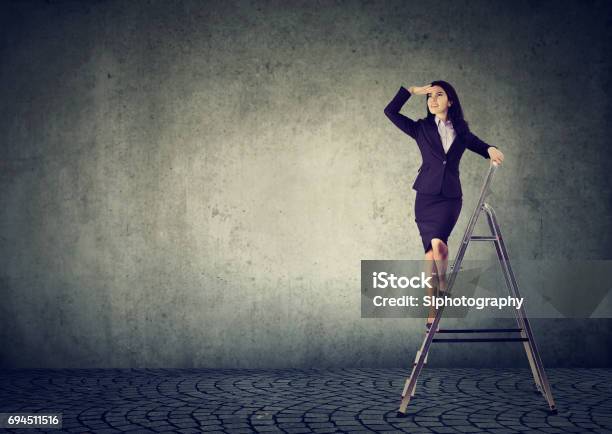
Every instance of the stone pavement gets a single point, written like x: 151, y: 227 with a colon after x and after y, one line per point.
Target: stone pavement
x: 313, y: 400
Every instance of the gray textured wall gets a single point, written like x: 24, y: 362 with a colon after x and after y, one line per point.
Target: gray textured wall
x: 191, y: 184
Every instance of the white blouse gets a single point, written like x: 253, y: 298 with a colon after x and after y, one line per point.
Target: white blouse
x: 447, y: 133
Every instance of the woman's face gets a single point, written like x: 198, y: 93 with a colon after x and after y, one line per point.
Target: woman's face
x: 437, y: 101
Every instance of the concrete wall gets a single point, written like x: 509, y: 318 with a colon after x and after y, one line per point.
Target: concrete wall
x: 193, y: 184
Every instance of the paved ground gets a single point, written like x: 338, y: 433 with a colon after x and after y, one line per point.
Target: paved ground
x: 301, y: 401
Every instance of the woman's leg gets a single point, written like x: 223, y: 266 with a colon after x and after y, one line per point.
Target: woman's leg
x: 430, y: 270
x: 440, y: 258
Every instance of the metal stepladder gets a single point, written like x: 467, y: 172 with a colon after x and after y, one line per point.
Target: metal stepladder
x: 524, y: 329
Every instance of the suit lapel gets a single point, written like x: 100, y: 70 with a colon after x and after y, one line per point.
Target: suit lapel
x: 433, y: 137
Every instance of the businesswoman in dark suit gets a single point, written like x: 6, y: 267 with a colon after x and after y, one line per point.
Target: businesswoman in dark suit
x: 442, y: 137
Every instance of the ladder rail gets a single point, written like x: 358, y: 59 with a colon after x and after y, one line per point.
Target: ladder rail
x: 410, y: 385
x: 470, y: 227
x: 491, y: 220
x: 521, y: 313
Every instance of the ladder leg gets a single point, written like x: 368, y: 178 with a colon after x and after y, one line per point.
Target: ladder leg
x: 535, y: 361
x: 419, y: 362
x: 417, y: 380
x: 410, y: 385
x: 526, y: 346
x: 532, y: 365
x: 528, y: 350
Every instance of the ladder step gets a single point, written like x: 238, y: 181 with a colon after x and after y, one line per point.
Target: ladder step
x: 456, y: 340
x: 483, y: 238
x: 479, y: 331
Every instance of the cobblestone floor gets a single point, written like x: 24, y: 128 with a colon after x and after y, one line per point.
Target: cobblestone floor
x: 316, y: 400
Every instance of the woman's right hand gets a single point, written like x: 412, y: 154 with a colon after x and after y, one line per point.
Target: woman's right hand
x: 423, y: 90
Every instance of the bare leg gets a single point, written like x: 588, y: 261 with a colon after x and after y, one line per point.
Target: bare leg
x: 440, y: 256
x: 430, y: 270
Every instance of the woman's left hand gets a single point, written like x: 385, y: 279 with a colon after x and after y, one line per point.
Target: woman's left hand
x: 496, y: 155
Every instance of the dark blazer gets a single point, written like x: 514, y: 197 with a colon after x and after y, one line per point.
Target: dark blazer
x: 439, y: 171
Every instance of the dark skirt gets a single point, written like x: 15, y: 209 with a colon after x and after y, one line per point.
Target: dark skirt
x: 436, y: 216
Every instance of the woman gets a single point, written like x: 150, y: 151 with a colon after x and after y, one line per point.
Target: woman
x: 442, y: 137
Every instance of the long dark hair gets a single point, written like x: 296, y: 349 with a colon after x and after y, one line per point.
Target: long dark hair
x: 455, y: 113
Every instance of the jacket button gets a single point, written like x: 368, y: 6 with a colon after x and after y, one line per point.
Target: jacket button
x: 444, y: 162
